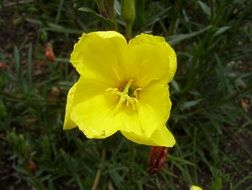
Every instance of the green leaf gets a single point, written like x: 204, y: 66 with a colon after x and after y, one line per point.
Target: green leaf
x: 175, y: 85
x: 49, y: 26
x: 190, y: 104
x: 88, y: 10
x: 222, y: 30
x: 205, y: 8
x: 58, y: 28
x: 155, y: 18
x: 175, y: 39
x: 116, y: 178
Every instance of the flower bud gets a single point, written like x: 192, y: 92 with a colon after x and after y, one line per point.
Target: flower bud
x: 194, y: 187
x: 128, y: 11
x: 128, y: 14
x: 156, y: 159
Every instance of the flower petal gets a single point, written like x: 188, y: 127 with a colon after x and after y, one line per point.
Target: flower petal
x: 99, y: 55
x: 68, y: 123
x: 154, y: 107
x: 151, y: 59
x: 161, y: 137
x: 81, y: 91
x: 94, y: 117
x: 88, y: 88
x: 128, y: 121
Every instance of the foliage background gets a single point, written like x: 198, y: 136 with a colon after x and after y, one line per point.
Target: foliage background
x: 211, y: 94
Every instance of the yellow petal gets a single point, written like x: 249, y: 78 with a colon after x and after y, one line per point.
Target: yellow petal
x: 81, y: 91
x: 94, y: 117
x: 128, y: 121
x: 151, y: 59
x: 161, y: 137
x: 154, y: 107
x: 88, y: 88
x: 68, y: 123
x: 99, y: 55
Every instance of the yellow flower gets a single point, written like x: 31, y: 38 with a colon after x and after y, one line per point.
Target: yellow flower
x: 194, y: 187
x: 122, y: 87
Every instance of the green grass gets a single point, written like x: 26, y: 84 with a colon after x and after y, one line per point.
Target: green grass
x: 213, y: 132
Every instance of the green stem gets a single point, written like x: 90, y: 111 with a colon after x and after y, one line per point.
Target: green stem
x: 128, y: 30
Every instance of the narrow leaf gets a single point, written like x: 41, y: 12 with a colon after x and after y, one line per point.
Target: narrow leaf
x: 175, y: 39
x: 222, y: 30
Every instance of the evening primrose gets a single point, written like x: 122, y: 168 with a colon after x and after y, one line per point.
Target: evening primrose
x: 122, y: 87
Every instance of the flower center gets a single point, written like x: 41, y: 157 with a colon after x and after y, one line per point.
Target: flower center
x: 127, y: 96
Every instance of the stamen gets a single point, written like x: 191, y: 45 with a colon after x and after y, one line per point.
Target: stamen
x: 136, y: 91
x: 124, y: 97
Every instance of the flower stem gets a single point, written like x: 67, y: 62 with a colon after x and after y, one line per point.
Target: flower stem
x: 98, y: 173
x: 128, y: 30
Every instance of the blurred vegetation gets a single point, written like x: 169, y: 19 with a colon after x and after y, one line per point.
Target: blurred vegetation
x: 211, y: 93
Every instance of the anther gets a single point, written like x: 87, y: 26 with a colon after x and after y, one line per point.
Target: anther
x: 136, y: 91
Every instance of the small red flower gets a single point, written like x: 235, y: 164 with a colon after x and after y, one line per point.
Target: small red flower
x: 32, y: 166
x: 49, y: 52
x: 3, y: 65
x: 156, y: 159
